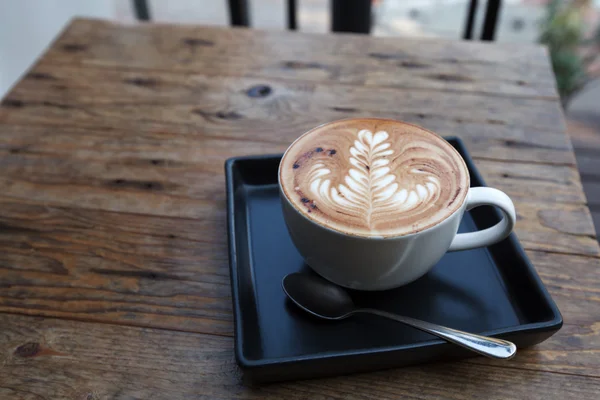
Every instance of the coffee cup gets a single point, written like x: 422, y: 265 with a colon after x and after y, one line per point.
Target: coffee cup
x: 374, y: 204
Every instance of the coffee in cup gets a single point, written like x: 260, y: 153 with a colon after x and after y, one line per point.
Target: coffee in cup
x: 374, y: 178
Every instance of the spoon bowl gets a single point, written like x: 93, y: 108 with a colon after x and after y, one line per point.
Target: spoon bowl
x: 317, y: 296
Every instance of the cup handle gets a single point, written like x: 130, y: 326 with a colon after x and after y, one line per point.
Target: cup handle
x: 486, y: 196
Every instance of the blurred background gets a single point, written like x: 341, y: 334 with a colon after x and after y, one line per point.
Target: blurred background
x: 568, y: 27
x: 28, y: 26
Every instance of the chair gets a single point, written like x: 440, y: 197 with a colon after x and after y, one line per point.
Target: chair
x: 239, y: 14
x: 490, y: 21
x: 346, y: 16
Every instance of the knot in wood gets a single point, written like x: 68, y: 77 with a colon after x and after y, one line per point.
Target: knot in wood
x: 259, y: 91
x: 30, y: 349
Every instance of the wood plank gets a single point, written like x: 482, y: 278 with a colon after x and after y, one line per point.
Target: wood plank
x: 142, y: 174
x: 125, y: 268
x: 423, y: 64
x: 573, y: 283
x: 542, y: 226
x: 192, y: 105
x: 192, y: 165
x: 77, y: 38
x: 488, y: 142
x: 547, y: 183
x: 574, y: 350
x: 173, y: 273
x: 97, y: 361
x: 142, y: 178
x: 556, y: 228
x: 136, y: 148
x: 154, y: 202
x: 154, y: 87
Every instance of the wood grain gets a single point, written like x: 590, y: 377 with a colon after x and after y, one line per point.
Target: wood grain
x: 173, y: 273
x: 81, y: 33
x: 192, y: 165
x: 573, y: 283
x: 123, y: 268
x: 555, y: 227
x: 184, y: 88
x: 78, y: 360
x: 547, y: 183
x: 186, y: 182
x: 113, y: 258
x: 192, y: 105
x: 406, y: 63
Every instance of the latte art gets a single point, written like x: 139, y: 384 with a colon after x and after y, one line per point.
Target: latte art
x: 374, y: 177
x: 369, y: 187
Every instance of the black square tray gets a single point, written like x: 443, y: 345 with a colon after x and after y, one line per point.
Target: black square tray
x: 493, y: 291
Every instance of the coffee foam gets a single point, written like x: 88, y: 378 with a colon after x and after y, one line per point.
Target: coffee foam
x: 374, y: 177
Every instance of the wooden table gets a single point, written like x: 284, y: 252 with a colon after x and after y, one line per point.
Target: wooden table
x: 114, y: 275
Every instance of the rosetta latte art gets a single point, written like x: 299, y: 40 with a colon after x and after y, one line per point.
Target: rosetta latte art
x: 374, y: 177
x: 369, y: 188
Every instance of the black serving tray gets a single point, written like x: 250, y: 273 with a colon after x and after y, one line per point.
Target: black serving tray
x: 493, y: 291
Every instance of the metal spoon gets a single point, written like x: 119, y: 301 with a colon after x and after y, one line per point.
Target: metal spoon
x: 325, y: 300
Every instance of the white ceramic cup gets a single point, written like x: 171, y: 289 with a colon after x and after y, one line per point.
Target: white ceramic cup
x: 370, y: 263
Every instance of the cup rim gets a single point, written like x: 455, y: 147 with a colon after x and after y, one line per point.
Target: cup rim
x: 374, y: 237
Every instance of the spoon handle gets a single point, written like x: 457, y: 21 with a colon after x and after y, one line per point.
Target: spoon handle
x: 487, y: 346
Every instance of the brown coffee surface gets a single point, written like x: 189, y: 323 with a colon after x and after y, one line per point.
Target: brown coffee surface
x: 374, y: 177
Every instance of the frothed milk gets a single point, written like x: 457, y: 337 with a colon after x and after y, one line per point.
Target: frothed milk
x: 374, y: 177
